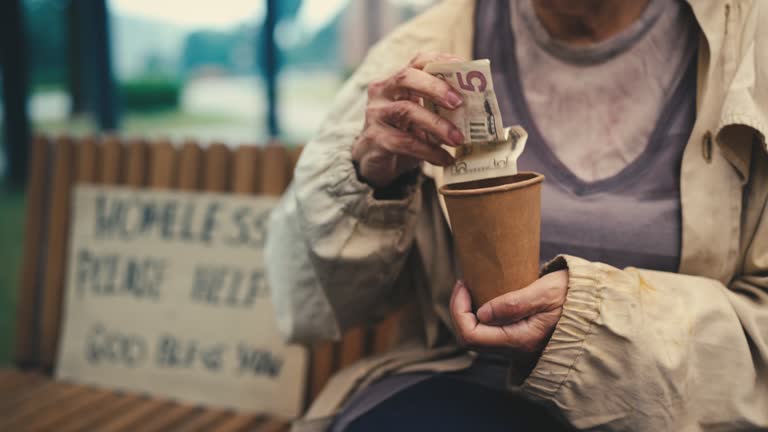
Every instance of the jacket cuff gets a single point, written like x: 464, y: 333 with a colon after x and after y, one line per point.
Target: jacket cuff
x: 580, y: 313
x: 360, y: 201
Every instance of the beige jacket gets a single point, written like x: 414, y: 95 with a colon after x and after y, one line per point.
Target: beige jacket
x: 634, y: 349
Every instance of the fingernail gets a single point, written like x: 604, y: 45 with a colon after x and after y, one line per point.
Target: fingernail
x: 454, y: 99
x: 456, y: 136
x: 484, y: 313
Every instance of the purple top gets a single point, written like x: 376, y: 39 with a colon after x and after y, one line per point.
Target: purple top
x: 629, y: 219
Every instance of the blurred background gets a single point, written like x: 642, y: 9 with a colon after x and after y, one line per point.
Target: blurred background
x: 233, y: 71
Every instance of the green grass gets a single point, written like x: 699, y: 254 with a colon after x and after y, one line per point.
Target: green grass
x: 48, y: 87
x: 11, y: 239
x: 137, y: 122
x: 134, y: 123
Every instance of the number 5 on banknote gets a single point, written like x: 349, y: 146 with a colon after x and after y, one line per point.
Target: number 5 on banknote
x: 489, y: 150
x: 479, y: 117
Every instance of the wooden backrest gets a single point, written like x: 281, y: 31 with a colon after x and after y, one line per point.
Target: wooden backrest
x: 57, y: 164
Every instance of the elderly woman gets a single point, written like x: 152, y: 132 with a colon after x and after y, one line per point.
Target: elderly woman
x: 649, y: 119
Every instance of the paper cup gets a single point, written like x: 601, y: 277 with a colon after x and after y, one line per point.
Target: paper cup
x: 496, y: 224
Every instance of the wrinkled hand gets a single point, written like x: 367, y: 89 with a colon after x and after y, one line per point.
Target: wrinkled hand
x: 517, y: 324
x: 399, y: 132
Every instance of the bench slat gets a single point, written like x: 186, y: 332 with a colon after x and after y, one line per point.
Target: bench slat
x: 321, y: 368
x: 110, y: 161
x: 217, y: 168
x: 245, y: 171
x: 386, y: 333
x: 273, y: 425
x: 86, y: 170
x: 202, y: 422
x: 15, y: 389
x: 169, y: 418
x: 162, y: 165
x: 73, y: 406
x: 26, y: 316
x: 352, y: 346
x: 162, y: 168
x: 190, y: 163
x: 293, y: 155
x: 55, y: 265
x: 26, y: 396
x: 132, y: 419
x: 102, y: 412
x: 238, y: 422
x: 135, y: 164
x: 12, y: 380
x: 274, y: 170
x: 23, y: 411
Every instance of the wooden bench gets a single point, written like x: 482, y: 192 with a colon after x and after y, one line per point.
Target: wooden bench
x: 29, y: 398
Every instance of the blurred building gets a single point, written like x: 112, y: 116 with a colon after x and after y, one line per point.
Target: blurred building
x: 366, y: 21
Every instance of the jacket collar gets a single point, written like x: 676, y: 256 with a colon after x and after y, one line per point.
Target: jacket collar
x: 727, y: 57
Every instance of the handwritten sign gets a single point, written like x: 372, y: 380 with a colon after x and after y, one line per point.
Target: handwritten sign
x: 166, y: 294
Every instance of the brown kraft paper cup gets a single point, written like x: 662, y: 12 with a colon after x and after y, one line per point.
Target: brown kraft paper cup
x: 497, y: 227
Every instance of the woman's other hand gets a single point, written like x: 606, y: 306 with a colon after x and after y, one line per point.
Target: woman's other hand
x: 399, y: 132
x: 518, y: 324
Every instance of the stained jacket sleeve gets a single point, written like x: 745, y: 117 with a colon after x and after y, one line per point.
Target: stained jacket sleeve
x: 334, y: 251
x: 639, y: 350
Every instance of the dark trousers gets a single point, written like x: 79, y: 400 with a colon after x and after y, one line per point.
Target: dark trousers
x: 445, y: 403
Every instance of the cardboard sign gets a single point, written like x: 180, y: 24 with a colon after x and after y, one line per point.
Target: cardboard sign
x: 166, y: 295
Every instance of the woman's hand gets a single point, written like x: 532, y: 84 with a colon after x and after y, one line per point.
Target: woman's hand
x: 399, y: 132
x: 518, y: 324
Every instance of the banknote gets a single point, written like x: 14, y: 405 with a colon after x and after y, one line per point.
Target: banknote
x: 488, y: 159
x: 479, y: 117
x: 489, y: 150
